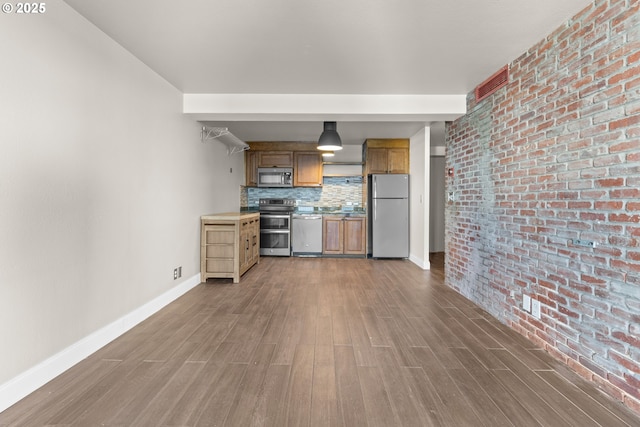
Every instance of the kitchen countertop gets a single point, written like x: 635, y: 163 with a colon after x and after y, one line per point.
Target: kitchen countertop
x: 227, y: 216
x: 331, y: 212
x: 343, y: 213
x: 252, y: 209
x: 356, y: 211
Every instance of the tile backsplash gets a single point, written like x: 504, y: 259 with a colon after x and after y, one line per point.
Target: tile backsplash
x: 335, y: 192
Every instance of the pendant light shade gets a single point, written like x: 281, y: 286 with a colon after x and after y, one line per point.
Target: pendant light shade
x: 330, y: 140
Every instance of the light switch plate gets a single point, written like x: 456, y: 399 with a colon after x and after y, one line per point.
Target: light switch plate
x: 526, y: 303
x: 535, y: 308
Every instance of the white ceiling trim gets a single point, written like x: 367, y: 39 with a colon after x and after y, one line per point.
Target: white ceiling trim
x: 320, y: 107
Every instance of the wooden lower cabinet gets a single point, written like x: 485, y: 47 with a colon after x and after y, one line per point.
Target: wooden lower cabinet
x: 229, y: 245
x: 342, y: 235
x: 355, y: 236
x: 332, y: 235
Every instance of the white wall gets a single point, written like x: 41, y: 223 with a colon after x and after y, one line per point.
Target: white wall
x: 419, y: 198
x: 102, y: 182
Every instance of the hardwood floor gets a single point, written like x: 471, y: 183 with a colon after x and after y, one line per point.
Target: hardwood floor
x: 320, y: 342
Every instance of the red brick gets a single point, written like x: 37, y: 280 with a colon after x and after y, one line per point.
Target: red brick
x: 627, y: 16
x: 626, y: 75
x: 592, y: 216
x: 609, y: 205
x: 624, y: 218
x: 631, y: 365
x: 632, y: 84
x: 579, y: 205
x: 623, y: 123
x: 611, y: 182
x: 603, y: 72
x: 625, y: 193
x: 625, y: 266
x: 625, y: 146
x: 632, y: 389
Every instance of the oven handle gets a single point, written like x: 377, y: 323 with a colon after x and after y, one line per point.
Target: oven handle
x: 274, y: 216
x: 263, y: 231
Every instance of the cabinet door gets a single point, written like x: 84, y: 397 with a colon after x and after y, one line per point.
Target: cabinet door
x: 376, y: 161
x: 355, y: 233
x: 332, y: 237
x: 251, y: 168
x: 280, y: 159
x: 307, y: 169
x: 255, y: 240
x: 243, y: 246
x: 397, y: 160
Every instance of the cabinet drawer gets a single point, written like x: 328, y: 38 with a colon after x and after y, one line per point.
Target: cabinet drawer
x: 219, y: 251
x: 219, y: 235
x: 219, y: 266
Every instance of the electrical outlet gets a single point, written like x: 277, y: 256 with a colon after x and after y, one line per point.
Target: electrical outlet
x: 179, y: 271
x: 526, y: 303
x: 175, y: 273
x: 535, y: 308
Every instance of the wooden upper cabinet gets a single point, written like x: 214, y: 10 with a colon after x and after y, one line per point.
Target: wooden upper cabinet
x: 376, y: 161
x: 303, y: 157
x: 397, y: 160
x: 307, y: 169
x: 251, y: 168
x: 386, y: 156
x: 278, y: 159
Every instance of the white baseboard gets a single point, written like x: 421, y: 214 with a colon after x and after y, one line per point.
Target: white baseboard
x: 425, y: 265
x: 24, y: 384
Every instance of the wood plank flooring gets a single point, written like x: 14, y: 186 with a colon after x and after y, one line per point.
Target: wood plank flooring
x: 320, y: 342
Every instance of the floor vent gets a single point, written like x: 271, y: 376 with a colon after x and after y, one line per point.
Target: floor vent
x: 492, y: 84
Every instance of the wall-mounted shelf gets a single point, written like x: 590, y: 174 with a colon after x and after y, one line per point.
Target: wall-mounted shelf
x: 233, y: 143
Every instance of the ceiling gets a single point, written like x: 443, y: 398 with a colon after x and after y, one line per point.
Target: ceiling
x: 355, y: 47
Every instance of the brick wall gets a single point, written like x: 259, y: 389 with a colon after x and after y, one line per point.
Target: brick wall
x: 552, y: 158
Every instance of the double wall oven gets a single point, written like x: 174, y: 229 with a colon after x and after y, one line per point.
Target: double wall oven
x: 275, y: 226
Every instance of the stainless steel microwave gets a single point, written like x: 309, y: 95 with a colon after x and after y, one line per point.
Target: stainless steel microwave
x: 275, y: 177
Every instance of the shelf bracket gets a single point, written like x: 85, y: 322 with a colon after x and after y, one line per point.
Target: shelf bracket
x: 233, y: 143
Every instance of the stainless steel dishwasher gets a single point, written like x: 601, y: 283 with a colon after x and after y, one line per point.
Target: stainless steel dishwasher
x: 306, y: 235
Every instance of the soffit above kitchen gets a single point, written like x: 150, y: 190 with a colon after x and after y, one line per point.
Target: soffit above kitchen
x: 329, y: 47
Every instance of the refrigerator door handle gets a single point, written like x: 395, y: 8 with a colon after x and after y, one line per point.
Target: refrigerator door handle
x: 374, y: 186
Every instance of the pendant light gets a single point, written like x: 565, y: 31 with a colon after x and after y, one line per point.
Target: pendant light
x: 330, y: 140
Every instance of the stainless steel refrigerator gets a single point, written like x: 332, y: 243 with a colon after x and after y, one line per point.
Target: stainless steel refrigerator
x: 388, y: 215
